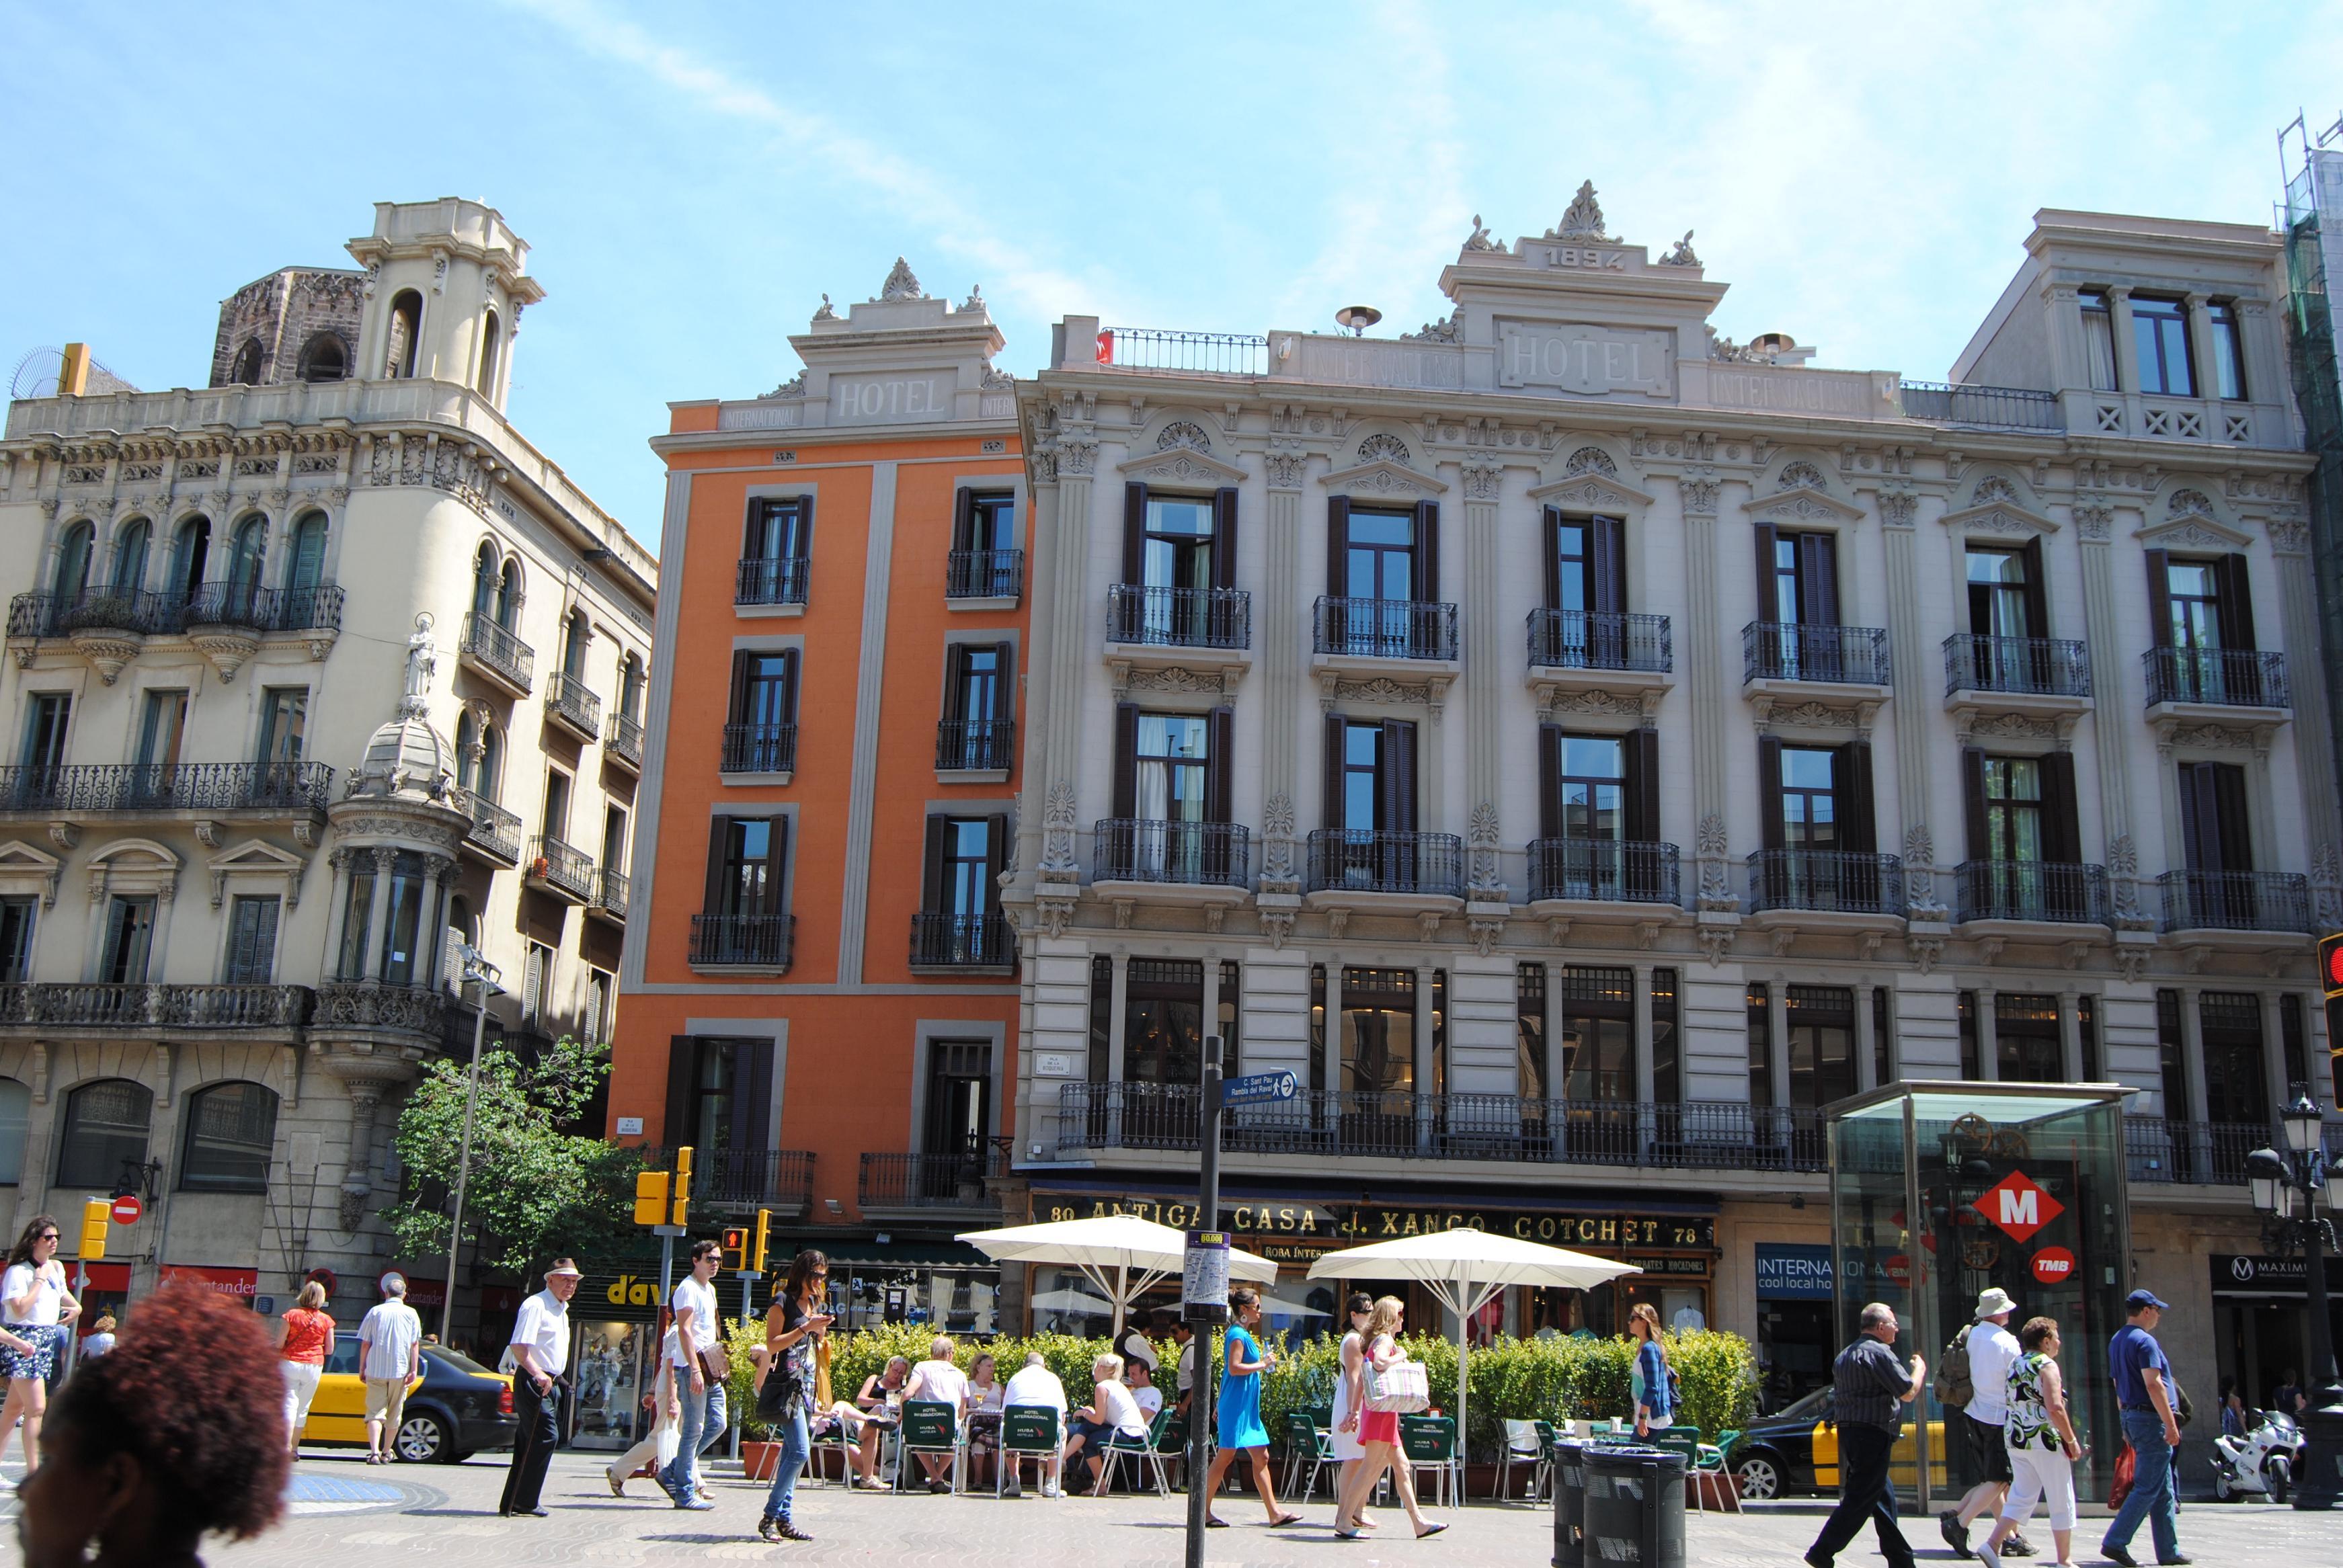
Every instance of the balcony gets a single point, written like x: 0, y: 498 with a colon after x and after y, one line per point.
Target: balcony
x: 995, y: 576
x: 2216, y: 683
x: 146, y: 1007
x: 2032, y: 892
x: 761, y: 943
x: 760, y: 748
x: 778, y: 581
x: 923, y: 1183
x: 945, y: 943
x: 978, y: 749
x: 1852, y: 659
x: 496, y: 654
x: 496, y: 832
x: 369, y: 1008
x: 1196, y: 352
x: 622, y: 743
x: 1607, y: 871
x: 1138, y: 615
x: 2236, y: 902
x: 562, y: 868
x: 609, y: 896
x: 1371, y: 861
x: 1828, y: 881
x: 1574, y: 652
x: 744, y: 1179
x: 163, y: 788
x: 2039, y: 675
x: 571, y: 704
x: 230, y: 603
x: 1696, y: 1135
x: 1383, y: 631
x: 2194, y: 1153
x: 1217, y: 855
x: 1982, y: 408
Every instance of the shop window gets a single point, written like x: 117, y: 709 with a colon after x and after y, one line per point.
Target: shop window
x: 2026, y: 1037
x: 1821, y: 1044
x: 1667, y: 1057
x: 1529, y: 1031
x: 231, y: 1136
x: 1883, y: 1036
x: 1761, y: 1046
x: 1598, y: 1034
x: 1101, y: 1017
x: 1163, y: 1021
x: 105, y: 1139
x: 2236, y: 1079
x: 1378, y: 1030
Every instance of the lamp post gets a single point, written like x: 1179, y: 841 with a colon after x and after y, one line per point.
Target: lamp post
x: 479, y: 971
x: 2287, y: 1189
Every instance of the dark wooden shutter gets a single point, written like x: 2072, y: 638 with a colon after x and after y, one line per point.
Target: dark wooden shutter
x: 1769, y: 608
x: 996, y: 858
x: 931, y: 866
x: 963, y: 534
x: 2236, y: 602
x: 1427, y: 551
x: 743, y: 661
x: 789, y: 685
x: 1224, y: 538
x: 1126, y: 760
x: 1338, y: 545
x: 1399, y: 776
x: 777, y: 865
x: 956, y: 681
x: 719, y: 830
x: 1851, y: 784
x: 2062, y: 828
x: 1643, y: 750
x: 1004, y: 680
x: 2199, y: 817
x: 1332, y: 814
x: 682, y: 1079
x: 1134, y: 533
x: 1219, y: 731
x: 2236, y: 834
x: 1818, y: 591
x: 752, y: 1101
x: 1552, y: 550
x: 1769, y: 789
x: 1549, y: 780
x: 2038, y: 597
x: 1609, y: 539
x: 2159, y: 597
x: 1980, y: 835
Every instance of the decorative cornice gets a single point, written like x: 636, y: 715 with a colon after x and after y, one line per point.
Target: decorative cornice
x: 1382, y: 477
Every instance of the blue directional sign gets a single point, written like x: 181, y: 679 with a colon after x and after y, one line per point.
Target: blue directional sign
x: 1259, y: 1088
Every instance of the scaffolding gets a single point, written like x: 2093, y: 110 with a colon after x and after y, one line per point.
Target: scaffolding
x: 2311, y: 332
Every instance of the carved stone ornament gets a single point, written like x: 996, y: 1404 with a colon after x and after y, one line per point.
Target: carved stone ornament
x: 2326, y: 886
x: 1055, y: 910
x: 1621, y: 705
x: 1184, y: 433
x: 2209, y: 737
x: 1482, y: 480
x: 2011, y: 727
x: 1814, y: 716
x: 1682, y: 254
x: 900, y: 284
x: 2123, y: 858
x: 1927, y: 951
x: 1479, y: 238
x: 1591, y: 460
x: 1919, y: 848
x: 2193, y: 538
x: 1991, y: 488
x: 2094, y: 521
x: 1801, y: 475
x: 975, y: 300
x: 1381, y: 688
x: 792, y: 387
x: 1076, y: 455
x: 1277, y: 869
x: 1583, y: 218
x: 1174, y: 679
x: 1715, y: 941
x: 2187, y: 503
x: 1277, y: 816
x: 1385, y: 449
x: 1480, y: 837
x: 1897, y: 508
x: 1487, y: 932
x: 1058, y: 833
x: 1699, y: 496
x: 826, y: 313
x: 1286, y: 470
x: 1711, y: 839
x: 2288, y: 537
x: 1277, y: 925
x: 1449, y: 329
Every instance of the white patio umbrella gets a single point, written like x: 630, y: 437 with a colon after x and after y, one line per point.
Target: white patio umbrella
x: 1274, y: 1307
x: 1465, y: 1269
x: 1104, y: 1245
x: 1080, y: 1301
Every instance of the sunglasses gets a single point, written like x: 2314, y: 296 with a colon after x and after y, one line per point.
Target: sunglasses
x: 47, y: 1236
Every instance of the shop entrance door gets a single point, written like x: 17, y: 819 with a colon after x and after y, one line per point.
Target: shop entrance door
x: 614, y: 1362
x: 1795, y: 1340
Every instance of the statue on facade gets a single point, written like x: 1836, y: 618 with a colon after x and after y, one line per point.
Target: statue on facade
x: 420, y: 666
x: 824, y: 313
x: 1479, y: 238
x: 1583, y: 219
x: 1682, y: 255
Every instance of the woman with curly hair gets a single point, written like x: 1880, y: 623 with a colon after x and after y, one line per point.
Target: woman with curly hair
x: 179, y: 1432
x: 37, y: 1310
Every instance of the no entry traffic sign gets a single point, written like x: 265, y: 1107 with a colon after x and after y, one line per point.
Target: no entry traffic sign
x: 127, y: 1209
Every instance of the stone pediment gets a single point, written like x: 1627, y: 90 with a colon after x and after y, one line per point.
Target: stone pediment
x: 1383, y: 476
x: 1804, y: 505
x: 1183, y: 466
x: 256, y: 857
x: 1998, y: 517
x: 1589, y: 490
x: 2193, y: 531
x: 24, y: 867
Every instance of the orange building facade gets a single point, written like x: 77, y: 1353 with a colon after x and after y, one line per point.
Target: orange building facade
x: 821, y: 992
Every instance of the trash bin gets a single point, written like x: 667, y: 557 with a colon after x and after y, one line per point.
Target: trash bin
x: 1634, y: 1507
x: 1569, y: 1503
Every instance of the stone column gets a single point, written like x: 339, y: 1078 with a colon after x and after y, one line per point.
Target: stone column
x: 2274, y: 1071
x: 1712, y: 737
x: 377, y: 910
x: 1483, y: 626
x: 1043, y: 541
x: 1556, y: 1064
x: 1646, y: 1092
x: 1866, y: 1039
x: 2126, y: 350
x: 2070, y: 1033
x: 1070, y: 654
x: 1282, y: 605
x: 1117, y: 1010
x: 337, y: 911
x: 2314, y: 735
x: 431, y: 935
x: 1910, y: 676
x: 2113, y: 694
x: 1988, y: 1036
x: 2200, y: 352
x: 1777, y: 1027
x: 2192, y: 1054
x: 1333, y: 1047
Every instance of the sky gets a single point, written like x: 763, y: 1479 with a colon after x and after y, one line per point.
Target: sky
x: 692, y: 177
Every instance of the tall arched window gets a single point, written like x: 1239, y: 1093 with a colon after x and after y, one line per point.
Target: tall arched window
x: 490, y: 340
x: 73, y: 561
x: 484, y: 581
x: 468, y: 739
x: 509, y: 596
x: 305, y: 553
x: 231, y: 1135
x: 576, y: 636
x: 492, y: 763
x: 244, y: 556
x: 15, y: 1123
x: 191, y: 551
x: 406, y: 329
x: 130, y: 547
x: 105, y: 1138
x: 395, y: 949
x: 631, y: 688
x: 247, y: 363
x: 324, y: 358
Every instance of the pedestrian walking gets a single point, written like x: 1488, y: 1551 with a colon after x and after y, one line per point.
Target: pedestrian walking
x: 36, y: 1308
x: 699, y: 1376
x: 665, y: 1410
x: 1870, y: 1385
x: 2043, y: 1447
x: 391, y: 1358
x: 1240, y: 1431
x: 2144, y: 1399
x: 540, y: 1351
x: 304, y: 1342
x: 1981, y: 1361
x: 1654, y: 1384
x: 1379, y: 1432
x: 1351, y: 1401
x: 795, y: 1327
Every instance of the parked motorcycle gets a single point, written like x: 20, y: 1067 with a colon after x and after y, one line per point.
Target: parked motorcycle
x: 2261, y: 1462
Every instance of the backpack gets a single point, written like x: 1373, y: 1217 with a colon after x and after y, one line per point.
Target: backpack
x: 1954, y: 1388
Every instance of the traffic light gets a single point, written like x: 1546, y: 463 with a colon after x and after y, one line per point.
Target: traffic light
x: 736, y: 1248
x: 2330, y: 964
x: 764, y: 1236
x: 95, y: 1219
x: 650, y: 1197
x: 2335, y: 1047
x: 679, y: 1199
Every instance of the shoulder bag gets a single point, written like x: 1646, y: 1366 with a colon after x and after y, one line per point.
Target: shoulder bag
x: 1399, y: 1389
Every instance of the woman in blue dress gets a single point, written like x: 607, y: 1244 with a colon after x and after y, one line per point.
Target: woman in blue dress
x: 1241, y: 1430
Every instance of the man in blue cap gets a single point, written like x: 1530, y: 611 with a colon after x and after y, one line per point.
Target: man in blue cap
x: 2144, y: 1394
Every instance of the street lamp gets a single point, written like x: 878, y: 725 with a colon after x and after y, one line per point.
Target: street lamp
x: 2287, y: 1189
x: 479, y: 971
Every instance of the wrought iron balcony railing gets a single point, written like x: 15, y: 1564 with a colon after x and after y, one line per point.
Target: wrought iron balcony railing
x: 301, y: 787
x: 942, y: 940
x: 1982, y: 408
x: 38, y: 615
x: 562, y: 865
x: 2031, y: 890
x: 1205, y: 353
x: 568, y: 700
x: 742, y: 942
x: 2235, y: 901
x: 1610, y: 871
x: 1787, y: 651
x: 494, y: 829
x: 1582, y: 640
x: 984, y: 573
x: 771, y: 579
x: 149, y: 1006
x: 2023, y: 665
x: 1827, y: 879
x: 624, y: 741
x: 611, y: 892
x: 1385, y: 628
x: 760, y: 748
x: 2221, y: 676
x: 498, y: 650
x: 2194, y: 1153
x: 1139, y: 850
x: 1369, y: 860
x: 955, y: 1179
x: 263, y: 609
x: 744, y: 1177
x: 1179, y: 617
x: 975, y: 745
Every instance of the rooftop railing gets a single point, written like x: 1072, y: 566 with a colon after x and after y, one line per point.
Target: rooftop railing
x: 1207, y: 353
x: 1982, y: 408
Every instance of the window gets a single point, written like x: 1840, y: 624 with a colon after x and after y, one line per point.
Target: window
x: 491, y: 340
x: 1883, y: 1035
x: 2212, y: 823
x: 1371, y: 775
x: 304, y: 557
x: 601, y: 1021
x: 325, y: 358
x: 284, y: 720
x: 964, y: 859
x: 2237, y: 1079
x: 1972, y: 1053
x: 975, y: 730
x: 761, y: 737
x: 1379, y: 1030
x: 247, y: 363
x: 1170, y: 767
x: 130, y: 557
x: 960, y: 1108
x: 405, y: 325
x: 191, y: 550
x: 2005, y: 592
x: 162, y: 723
x: 1809, y: 799
x: 1591, y: 786
x: 614, y: 839
x: 2159, y: 333
x: 484, y: 583
x: 1163, y: 1021
x: 2228, y: 353
x: 1760, y: 1027
x: 47, y: 715
x: 987, y: 522
x: 1821, y: 1044
x: 720, y: 1095
x: 2192, y: 592
x: 1587, y: 569
x: 2290, y: 1033
x: 1317, y: 1028
x: 745, y: 865
x: 2098, y: 340
x: 105, y: 1140
x: 1379, y: 556
x: 1668, y: 1057
x: 231, y: 1136
x: 2087, y: 1024
x: 2013, y: 808
x: 576, y: 635
x: 1177, y: 550
x: 406, y: 924
x: 1598, y: 1034
x: 2026, y: 1040
x: 775, y: 552
x: 1598, y: 813
x: 18, y: 920
x: 1101, y: 1041
x: 1529, y: 1031
x: 631, y: 688
x: 251, y: 942
x: 537, y: 983
x: 556, y: 804
x: 1799, y: 582
x: 129, y: 939
x: 243, y: 563
x: 509, y: 596
x: 1230, y: 1009
x: 2174, y: 1051
x: 73, y: 549
x: 15, y: 1126
x: 356, y: 912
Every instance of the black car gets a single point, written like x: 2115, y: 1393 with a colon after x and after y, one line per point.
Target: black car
x: 454, y: 1410
x: 1796, y: 1450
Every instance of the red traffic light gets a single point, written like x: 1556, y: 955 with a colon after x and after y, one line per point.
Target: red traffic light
x: 2330, y: 963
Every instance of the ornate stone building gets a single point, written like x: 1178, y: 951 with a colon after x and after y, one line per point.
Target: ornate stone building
x: 228, y: 901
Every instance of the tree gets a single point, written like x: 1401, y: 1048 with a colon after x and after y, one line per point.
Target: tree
x: 534, y: 1188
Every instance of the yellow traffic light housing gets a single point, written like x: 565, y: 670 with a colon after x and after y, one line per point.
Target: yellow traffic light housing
x: 736, y: 1248
x: 650, y: 1197
x: 96, y: 1216
x: 679, y: 1199
x: 764, y: 1239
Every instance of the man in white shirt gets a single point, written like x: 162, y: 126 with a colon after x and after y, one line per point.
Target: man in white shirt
x: 540, y: 1354
x: 694, y: 1303
x: 1992, y: 1349
x: 1137, y: 1348
x: 1035, y: 1384
x: 390, y: 1357
x: 1143, y: 1390
x: 938, y: 1379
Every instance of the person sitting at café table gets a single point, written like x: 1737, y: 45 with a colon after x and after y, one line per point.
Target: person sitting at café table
x: 1144, y: 1391
x: 874, y: 1413
x: 938, y: 1381
x: 1112, y: 1409
x: 984, y: 1390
